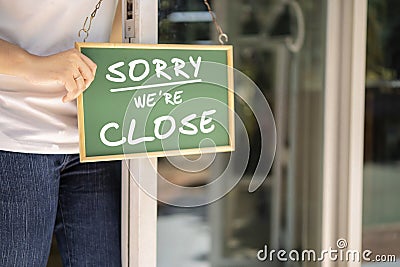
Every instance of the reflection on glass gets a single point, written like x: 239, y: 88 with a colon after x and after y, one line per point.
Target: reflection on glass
x: 381, y: 215
x: 285, y: 212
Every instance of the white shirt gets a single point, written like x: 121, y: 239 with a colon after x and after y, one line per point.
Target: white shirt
x: 33, y: 119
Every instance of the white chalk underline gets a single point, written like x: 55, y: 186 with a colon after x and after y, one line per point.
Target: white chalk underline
x: 123, y: 89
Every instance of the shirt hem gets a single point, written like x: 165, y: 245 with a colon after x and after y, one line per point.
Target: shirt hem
x: 43, y: 149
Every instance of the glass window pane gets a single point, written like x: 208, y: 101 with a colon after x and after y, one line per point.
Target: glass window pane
x: 285, y: 212
x: 381, y: 215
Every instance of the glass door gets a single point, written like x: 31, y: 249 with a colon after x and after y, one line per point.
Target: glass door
x: 280, y: 45
x: 381, y: 214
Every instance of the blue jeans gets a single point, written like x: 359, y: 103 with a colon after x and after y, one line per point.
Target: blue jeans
x: 80, y: 203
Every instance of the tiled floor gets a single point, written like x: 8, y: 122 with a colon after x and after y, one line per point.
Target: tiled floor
x: 383, y: 240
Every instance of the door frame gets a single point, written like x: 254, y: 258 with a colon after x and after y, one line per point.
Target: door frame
x: 139, y: 207
x: 343, y: 143
x: 342, y: 146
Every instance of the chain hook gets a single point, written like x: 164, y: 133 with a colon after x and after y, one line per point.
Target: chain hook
x: 86, y: 27
x: 223, y: 37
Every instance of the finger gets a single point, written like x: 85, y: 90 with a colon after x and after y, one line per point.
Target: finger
x: 71, y: 96
x: 67, y: 98
x: 71, y: 87
x: 74, y: 88
x: 86, y: 73
x: 90, y: 63
x: 80, y: 84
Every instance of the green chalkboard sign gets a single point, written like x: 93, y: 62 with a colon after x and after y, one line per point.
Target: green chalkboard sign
x: 156, y: 100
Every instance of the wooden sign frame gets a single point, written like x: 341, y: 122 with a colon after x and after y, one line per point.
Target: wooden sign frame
x: 230, y: 91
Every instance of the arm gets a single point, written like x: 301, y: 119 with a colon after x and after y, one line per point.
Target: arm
x: 70, y: 68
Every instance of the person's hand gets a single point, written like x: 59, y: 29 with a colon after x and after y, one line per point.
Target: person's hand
x: 70, y: 68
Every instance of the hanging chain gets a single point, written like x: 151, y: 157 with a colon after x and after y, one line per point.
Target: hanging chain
x: 86, y: 28
x: 223, y: 38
